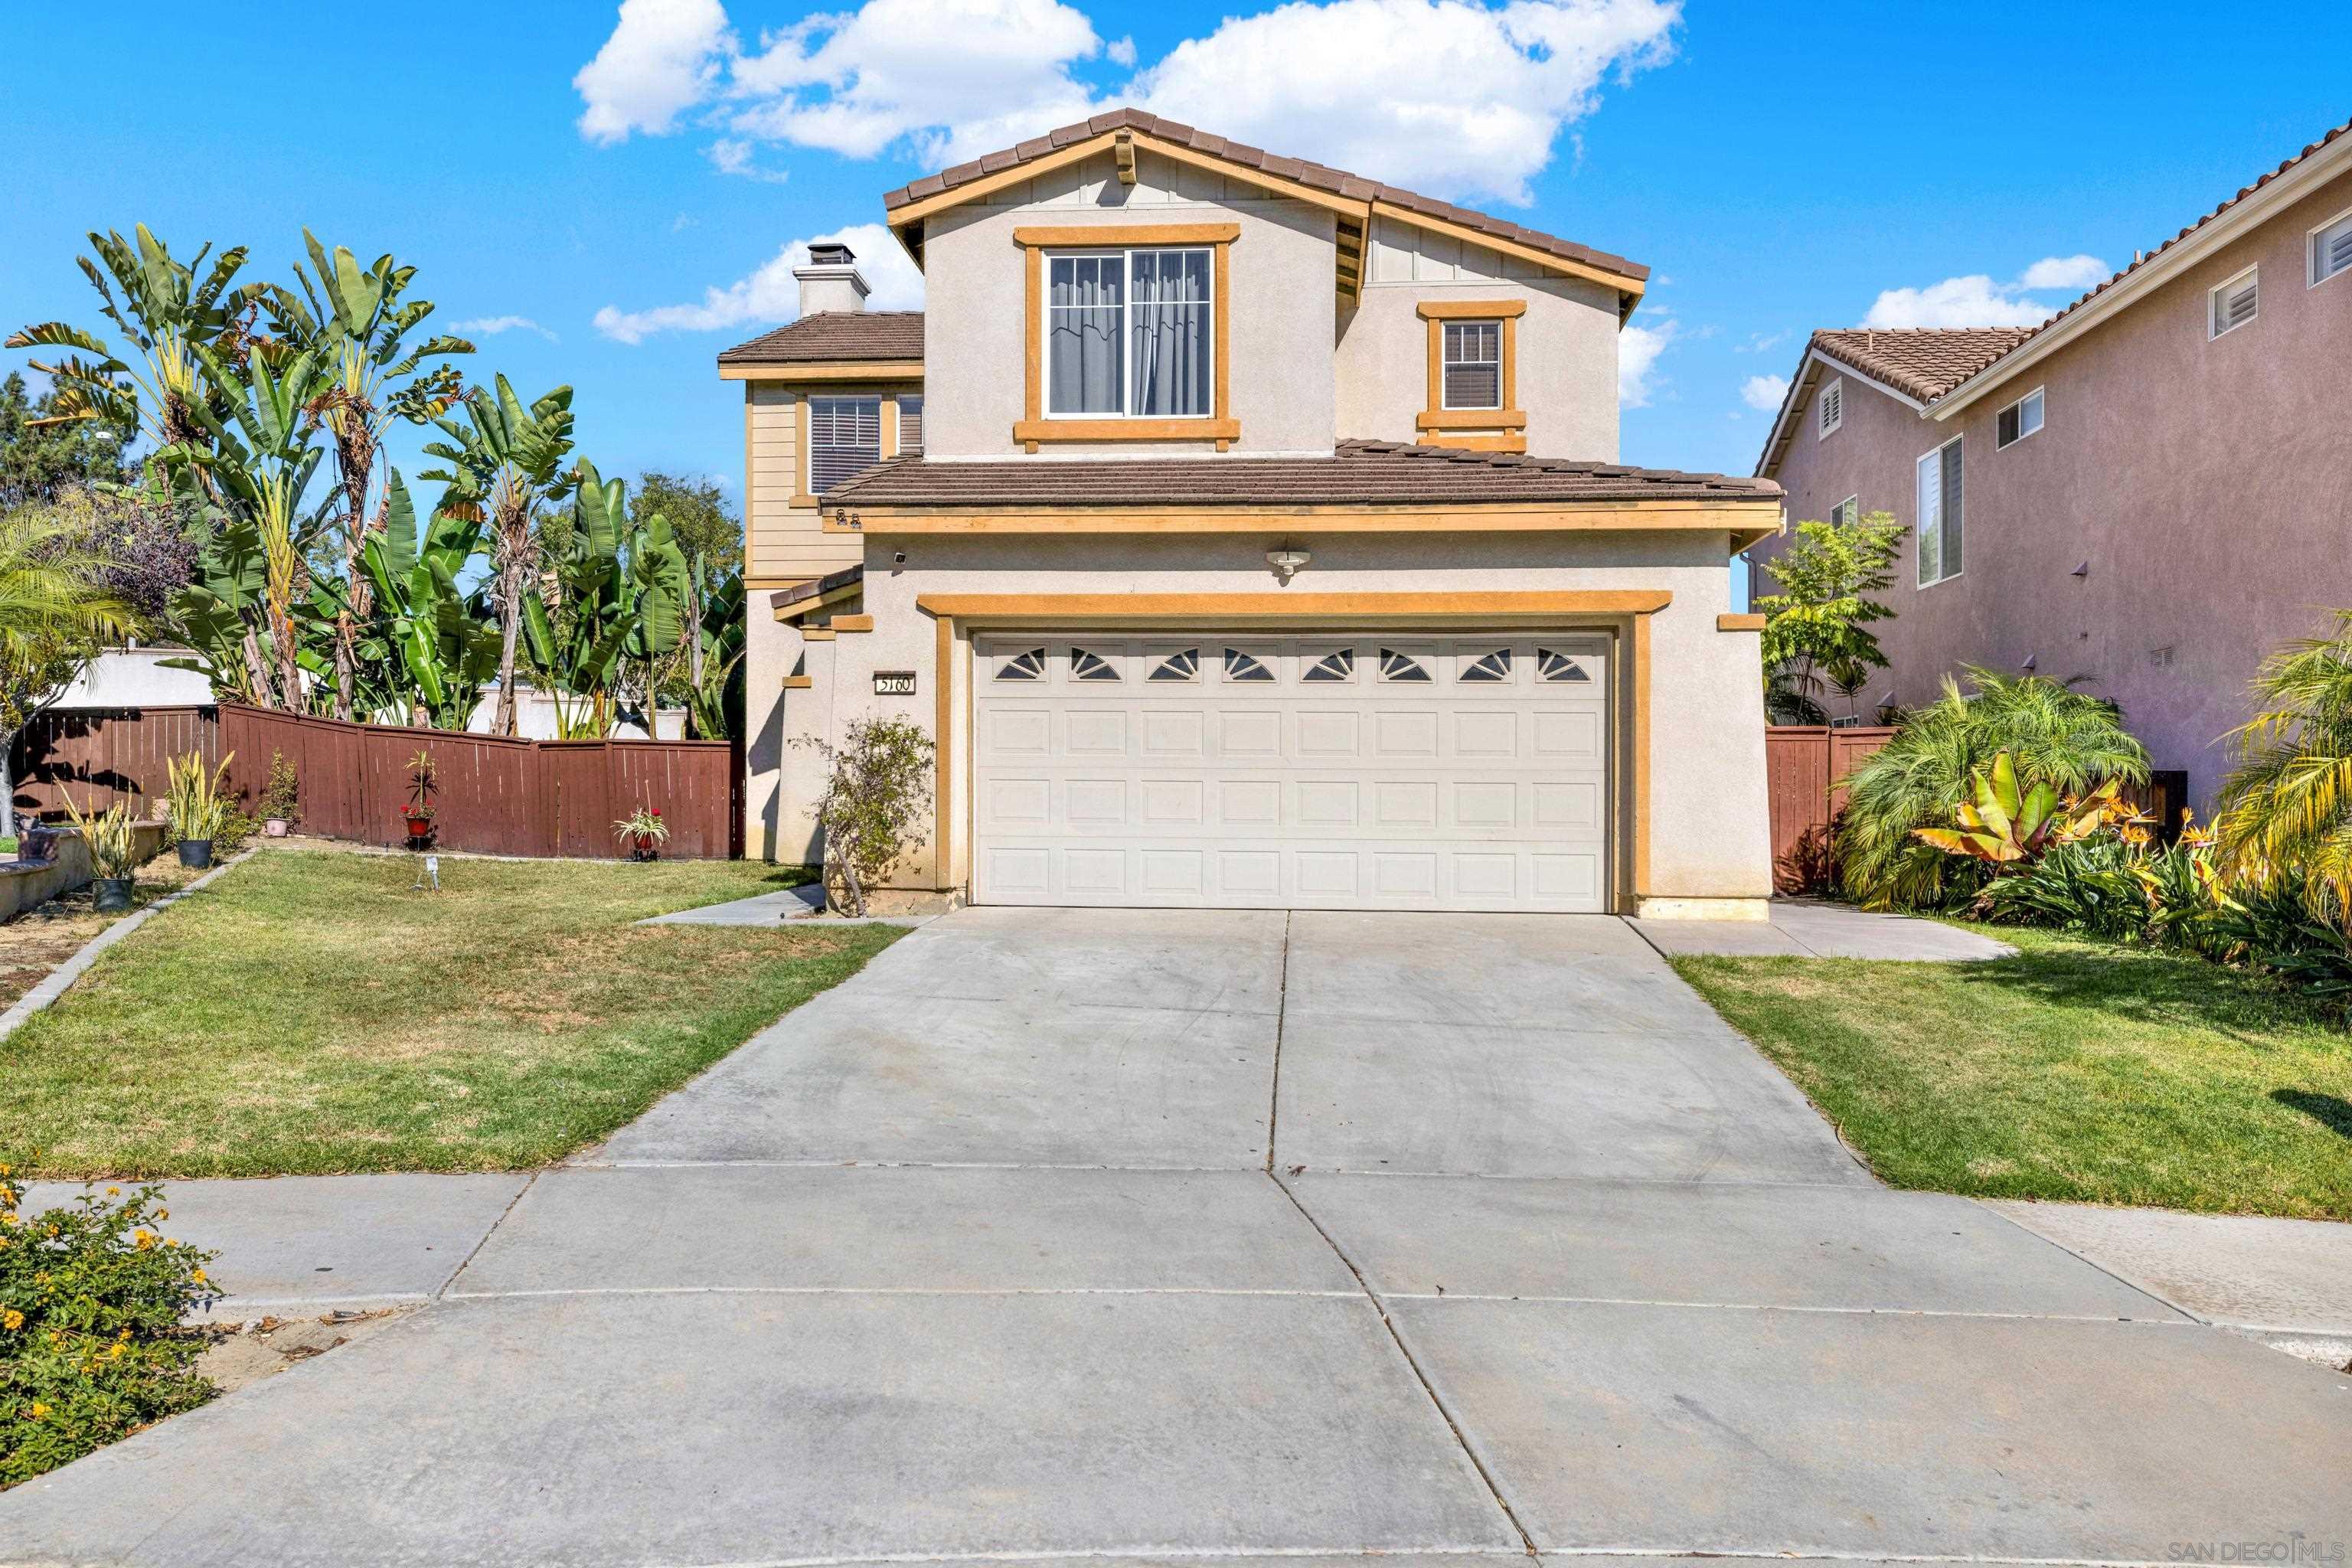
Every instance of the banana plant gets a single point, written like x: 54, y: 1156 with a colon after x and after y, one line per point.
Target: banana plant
x: 711, y: 680
x: 154, y: 382
x: 505, y: 464
x: 619, y: 595
x: 356, y: 319
x: 439, y: 633
x: 2006, y: 825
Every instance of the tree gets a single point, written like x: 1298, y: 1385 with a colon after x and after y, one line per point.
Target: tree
x: 506, y: 465
x: 56, y: 614
x: 877, y: 788
x: 2054, y: 734
x: 42, y: 454
x: 619, y: 587
x: 2285, y: 815
x: 1816, y: 629
x: 356, y: 322
x: 439, y: 635
x: 710, y: 536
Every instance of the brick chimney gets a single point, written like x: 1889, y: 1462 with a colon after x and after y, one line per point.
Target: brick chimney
x: 830, y: 281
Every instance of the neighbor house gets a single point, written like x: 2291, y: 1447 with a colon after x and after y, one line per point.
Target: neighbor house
x: 2151, y: 489
x: 1247, y: 533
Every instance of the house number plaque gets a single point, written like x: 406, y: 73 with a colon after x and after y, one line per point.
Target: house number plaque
x: 894, y: 683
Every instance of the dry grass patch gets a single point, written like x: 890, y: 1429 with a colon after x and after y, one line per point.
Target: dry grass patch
x: 311, y: 1012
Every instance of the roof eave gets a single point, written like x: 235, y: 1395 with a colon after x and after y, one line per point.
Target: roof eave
x: 2256, y: 208
x: 1776, y: 444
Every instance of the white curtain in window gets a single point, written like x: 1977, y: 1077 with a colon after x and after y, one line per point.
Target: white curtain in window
x: 1083, y: 340
x: 1170, y: 324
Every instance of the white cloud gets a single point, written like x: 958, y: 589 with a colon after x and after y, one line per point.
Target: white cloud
x: 1759, y: 342
x: 682, y: 222
x: 1764, y: 392
x: 1370, y: 85
x: 491, y: 326
x: 1638, y: 349
x: 2065, y: 272
x: 730, y: 156
x: 1975, y: 300
x: 662, y: 59
x: 1378, y: 86
x: 772, y: 295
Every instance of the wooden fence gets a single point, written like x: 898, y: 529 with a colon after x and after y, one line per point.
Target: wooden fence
x: 492, y: 795
x: 1803, y: 764
x: 106, y: 755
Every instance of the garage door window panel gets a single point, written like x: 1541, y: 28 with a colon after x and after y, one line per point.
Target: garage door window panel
x: 1243, y: 666
x: 1336, y: 667
x: 1182, y: 666
x: 1086, y: 665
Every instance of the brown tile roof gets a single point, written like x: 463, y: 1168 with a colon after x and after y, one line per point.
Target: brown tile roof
x: 1371, y: 473
x: 1337, y: 181
x: 1924, y: 362
x: 836, y: 335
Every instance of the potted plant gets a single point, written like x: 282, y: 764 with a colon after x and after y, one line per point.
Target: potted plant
x: 278, y: 810
x: 643, y: 833
x: 196, y: 804
x: 113, y: 852
x: 418, y: 814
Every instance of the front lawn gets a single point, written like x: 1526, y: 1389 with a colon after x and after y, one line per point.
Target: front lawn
x: 2076, y: 1070
x: 310, y: 1013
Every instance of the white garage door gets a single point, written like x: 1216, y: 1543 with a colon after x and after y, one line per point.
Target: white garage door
x: 1255, y: 770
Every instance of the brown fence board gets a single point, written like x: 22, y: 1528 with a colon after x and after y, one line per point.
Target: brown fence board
x: 106, y: 755
x: 1804, y: 766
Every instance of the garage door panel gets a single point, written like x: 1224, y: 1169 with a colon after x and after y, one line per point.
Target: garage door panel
x: 1295, y: 771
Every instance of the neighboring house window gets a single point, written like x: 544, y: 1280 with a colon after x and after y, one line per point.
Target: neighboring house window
x: 1832, y: 408
x: 2331, y: 249
x: 1846, y: 512
x: 1473, y: 365
x: 1128, y: 334
x: 845, y: 440
x: 2235, y: 303
x: 910, y: 426
x: 1938, y: 523
x: 2019, y: 420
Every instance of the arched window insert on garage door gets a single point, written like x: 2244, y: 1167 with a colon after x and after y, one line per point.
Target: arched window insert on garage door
x: 1554, y: 666
x: 1030, y: 665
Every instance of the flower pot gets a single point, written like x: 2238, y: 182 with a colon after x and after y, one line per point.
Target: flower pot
x: 275, y: 828
x: 196, y: 853
x: 420, y: 828
x: 113, y: 895
x: 648, y: 848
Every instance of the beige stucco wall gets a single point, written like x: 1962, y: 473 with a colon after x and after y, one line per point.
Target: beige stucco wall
x: 1566, y: 361
x: 1708, y: 835
x: 976, y: 308
x: 2205, y: 485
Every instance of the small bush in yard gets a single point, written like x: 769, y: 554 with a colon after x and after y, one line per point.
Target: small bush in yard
x: 877, y: 792
x: 91, y: 1346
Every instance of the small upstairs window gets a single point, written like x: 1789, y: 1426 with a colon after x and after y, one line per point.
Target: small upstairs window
x: 1832, y: 408
x: 2019, y: 420
x: 2235, y: 303
x: 911, y: 426
x: 2331, y: 249
x: 845, y: 440
x: 1473, y: 365
x: 1846, y: 512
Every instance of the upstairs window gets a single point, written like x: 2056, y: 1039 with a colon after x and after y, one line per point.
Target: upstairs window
x: 845, y: 440
x: 1937, y: 525
x: 2235, y: 303
x: 1846, y: 512
x: 1473, y: 365
x: 911, y: 426
x: 2019, y: 420
x: 1128, y: 334
x: 1832, y: 408
x: 2331, y: 249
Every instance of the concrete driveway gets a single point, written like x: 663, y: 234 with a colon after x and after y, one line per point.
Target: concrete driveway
x: 1163, y: 1236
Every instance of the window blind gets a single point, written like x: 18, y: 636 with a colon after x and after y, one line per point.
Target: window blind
x: 2331, y: 250
x: 845, y: 440
x: 910, y: 426
x: 2234, y: 303
x: 1473, y: 365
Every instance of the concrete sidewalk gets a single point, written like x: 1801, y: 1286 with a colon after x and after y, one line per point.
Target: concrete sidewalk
x: 1816, y: 928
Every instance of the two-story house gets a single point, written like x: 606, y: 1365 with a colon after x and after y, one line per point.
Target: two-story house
x: 2152, y: 489
x: 1248, y: 533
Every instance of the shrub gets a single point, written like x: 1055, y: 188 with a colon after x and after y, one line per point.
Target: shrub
x: 2269, y: 926
x: 2066, y: 739
x: 2286, y: 810
x: 2089, y: 887
x: 280, y: 802
x: 877, y: 786
x: 91, y: 1346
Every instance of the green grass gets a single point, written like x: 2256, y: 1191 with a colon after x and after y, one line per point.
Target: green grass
x: 310, y: 1013
x: 2076, y: 1070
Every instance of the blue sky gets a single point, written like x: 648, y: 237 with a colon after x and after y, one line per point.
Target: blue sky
x: 1779, y: 168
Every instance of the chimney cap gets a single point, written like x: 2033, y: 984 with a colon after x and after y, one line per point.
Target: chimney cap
x: 831, y: 253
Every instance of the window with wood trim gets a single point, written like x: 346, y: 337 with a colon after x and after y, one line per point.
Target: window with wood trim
x: 845, y: 440
x: 1129, y: 334
x: 1472, y: 372
x: 910, y: 425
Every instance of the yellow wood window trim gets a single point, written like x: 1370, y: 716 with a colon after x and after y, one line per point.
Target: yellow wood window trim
x: 1739, y: 623
x: 1485, y: 429
x: 1630, y: 608
x: 1032, y: 429
x: 799, y: 682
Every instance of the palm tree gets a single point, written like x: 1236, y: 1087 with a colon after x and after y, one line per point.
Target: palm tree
x: 2057, y: 735
x: 2286, y: 810
x: 506, y: 465
x: 54, y: 616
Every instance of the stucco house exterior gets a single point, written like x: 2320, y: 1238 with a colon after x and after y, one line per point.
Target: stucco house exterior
x: 1247, y: 533
x: 2153, y: 489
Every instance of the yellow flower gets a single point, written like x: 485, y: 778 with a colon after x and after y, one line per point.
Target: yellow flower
x: 114, y: 1351
x: 163, y: 1214
x: 142, y: 1235
x: 39, y: 1410
x: 114, y: 1191
x: 12, y: 1320
x: 198, y: 1276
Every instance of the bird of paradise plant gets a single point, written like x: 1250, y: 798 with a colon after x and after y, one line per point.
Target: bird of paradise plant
x: 2005, y: 825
